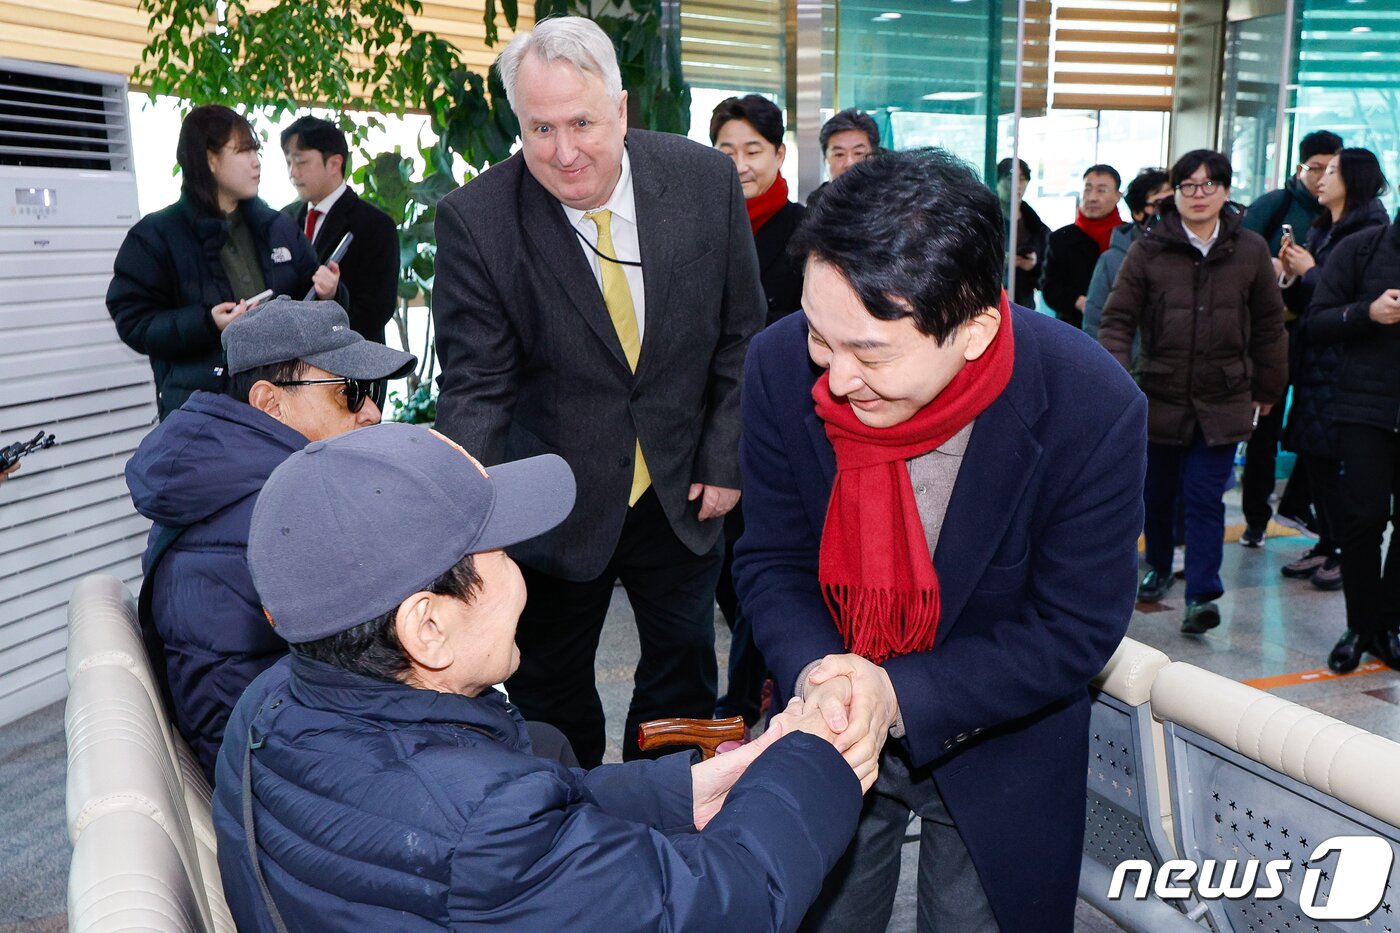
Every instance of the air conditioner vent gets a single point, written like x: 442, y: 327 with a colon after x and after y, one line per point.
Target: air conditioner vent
x: 60, y: 122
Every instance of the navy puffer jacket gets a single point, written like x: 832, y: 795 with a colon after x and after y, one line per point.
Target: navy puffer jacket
x: 380, y: 806
x: 1313, y: 367
x: 203, y: 467
x: 168, y: 275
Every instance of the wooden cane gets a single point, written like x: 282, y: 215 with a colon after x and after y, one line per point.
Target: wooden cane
x: 704, y: 734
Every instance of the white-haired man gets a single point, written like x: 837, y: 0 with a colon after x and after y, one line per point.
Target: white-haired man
x: 596, y: 293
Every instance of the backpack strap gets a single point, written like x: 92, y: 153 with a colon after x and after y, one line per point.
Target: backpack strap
x: 150, y: 636
x: 250, y: 834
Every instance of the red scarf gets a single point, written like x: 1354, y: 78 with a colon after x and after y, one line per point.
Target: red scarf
x: 1102, y: 229
x: 762, y: 207
x: 875, y: 569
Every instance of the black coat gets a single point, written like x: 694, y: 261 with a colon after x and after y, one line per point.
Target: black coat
x: 1035, y: 238
x: 780, y: 273
x: 370, y: 269
x: 1070, y: 258
x: 1313, y: 368
x: 167, y: 276
x: 532, y: 364
x: 1361, y: 268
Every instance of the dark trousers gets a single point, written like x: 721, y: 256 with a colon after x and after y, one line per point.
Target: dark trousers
x: 672, y: 592
x: 1260, y: 475
x: 1200, y: 472
x: 1320, y: 474
x: 858, y: 895
x: 1369, y: 485
x: 747, y: 669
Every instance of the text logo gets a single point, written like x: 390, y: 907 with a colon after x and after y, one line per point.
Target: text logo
x: 1358, y: 880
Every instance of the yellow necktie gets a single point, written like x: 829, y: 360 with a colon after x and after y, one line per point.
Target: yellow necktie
x: 617, y: 295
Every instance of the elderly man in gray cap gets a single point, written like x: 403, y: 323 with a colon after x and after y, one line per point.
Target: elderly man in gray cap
x: 296, y: 373
x: 376, y: 780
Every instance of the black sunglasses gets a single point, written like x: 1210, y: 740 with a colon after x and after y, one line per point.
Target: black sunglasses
x: 356, y: 390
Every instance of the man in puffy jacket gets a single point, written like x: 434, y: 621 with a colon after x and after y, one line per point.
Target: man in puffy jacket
x: 377, y: 780
x: 298, y: 374
x: 1199, y: 291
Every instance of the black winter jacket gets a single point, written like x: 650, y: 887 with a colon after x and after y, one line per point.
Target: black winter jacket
x: 168, y: 276
x: 1070, y: 257
x: 1314, y: 368
x: 781, y: 274
x: 1368, y: 378
x: 1035, y: 238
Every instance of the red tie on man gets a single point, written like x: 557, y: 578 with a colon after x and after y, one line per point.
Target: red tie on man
x: 311, y: 217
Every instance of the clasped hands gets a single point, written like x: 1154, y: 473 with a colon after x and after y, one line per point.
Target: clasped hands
x: 848, y: 701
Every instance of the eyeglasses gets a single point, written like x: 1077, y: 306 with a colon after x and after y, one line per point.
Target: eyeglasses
x: 1304, y: 168
x: 356, y: 390
x: 1191, y: 189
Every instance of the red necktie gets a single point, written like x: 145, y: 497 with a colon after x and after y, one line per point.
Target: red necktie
x: 311, y: 217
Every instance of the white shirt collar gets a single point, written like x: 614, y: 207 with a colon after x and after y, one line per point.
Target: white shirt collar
x: 329, y: 200
x: 1200, y: 244
x: 621, y: 202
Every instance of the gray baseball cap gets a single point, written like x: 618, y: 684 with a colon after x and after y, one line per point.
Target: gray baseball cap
x: 315, y: 331
x: 346, y: 529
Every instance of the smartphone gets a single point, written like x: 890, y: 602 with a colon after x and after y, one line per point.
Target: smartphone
x: 258, y: 299
x: 1287, y: 238
x: 336, y: 256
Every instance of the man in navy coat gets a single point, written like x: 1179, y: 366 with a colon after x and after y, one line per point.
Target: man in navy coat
x: 944, y: 494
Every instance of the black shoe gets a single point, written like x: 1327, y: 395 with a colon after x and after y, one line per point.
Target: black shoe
x: 1386, y: 646
x: 1304, y: 567
x: 1154, y: 586
x: 1253, y: 535
x: 1329, y: 575
x: 1346, y: 655
x: 1200, y: 618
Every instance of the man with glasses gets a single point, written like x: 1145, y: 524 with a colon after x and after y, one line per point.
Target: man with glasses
x: 297, y: 373
x: 1294, y: 206
x: 1201, y: 293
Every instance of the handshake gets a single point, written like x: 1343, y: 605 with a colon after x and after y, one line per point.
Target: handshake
x: 843, y: 699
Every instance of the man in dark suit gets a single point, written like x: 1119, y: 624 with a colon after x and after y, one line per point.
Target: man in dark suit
x: 1074, y: 249
x: 943, y: 494
x: 596, y: 293
x: 317, y: 153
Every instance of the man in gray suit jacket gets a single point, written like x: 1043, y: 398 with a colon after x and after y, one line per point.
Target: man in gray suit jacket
x: 596, y: 293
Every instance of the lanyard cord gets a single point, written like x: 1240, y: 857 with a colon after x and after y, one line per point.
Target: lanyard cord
x: 601, y: 254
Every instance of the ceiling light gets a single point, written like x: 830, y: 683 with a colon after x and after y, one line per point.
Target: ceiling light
x: 953, y: 95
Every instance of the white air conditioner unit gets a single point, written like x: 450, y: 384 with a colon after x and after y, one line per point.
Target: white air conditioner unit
x: 67, y: 198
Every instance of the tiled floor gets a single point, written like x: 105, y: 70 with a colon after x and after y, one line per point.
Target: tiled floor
x: 1274, y: 626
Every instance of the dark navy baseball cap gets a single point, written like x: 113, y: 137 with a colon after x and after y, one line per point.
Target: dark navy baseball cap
x: 346, y: 529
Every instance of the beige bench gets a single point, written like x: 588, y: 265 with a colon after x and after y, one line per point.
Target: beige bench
x: 1255, y: 776
x: 126, y: 763
x: 1128, y: 812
